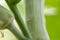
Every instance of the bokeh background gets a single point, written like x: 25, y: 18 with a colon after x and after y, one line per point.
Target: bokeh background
x: 53, y: 21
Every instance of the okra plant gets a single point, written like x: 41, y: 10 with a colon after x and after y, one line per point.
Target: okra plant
x: 35, y: 21
x: 18, y: 18
x: 34, y: 29
x: 6, y: 22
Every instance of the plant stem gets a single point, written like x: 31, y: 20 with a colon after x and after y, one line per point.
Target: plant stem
x: 19, y: 20
x: 34, y: 19
x: 6, y: 22
x: 15, y: 31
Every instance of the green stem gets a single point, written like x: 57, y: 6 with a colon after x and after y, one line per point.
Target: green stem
x: 35, y: 19
x: 16, y: 32
x: 19, y: 20
x: 6, y: 22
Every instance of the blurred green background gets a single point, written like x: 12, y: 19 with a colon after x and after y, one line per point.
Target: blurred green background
x: 53, y: 21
